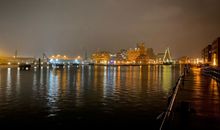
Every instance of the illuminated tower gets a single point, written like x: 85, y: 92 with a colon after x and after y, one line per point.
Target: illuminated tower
x: 167, y: 57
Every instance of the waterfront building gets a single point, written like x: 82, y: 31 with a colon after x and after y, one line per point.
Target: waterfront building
x: 159, y: 58
x: 16, y: 60
x: 63, y: 59
x: 207, y: 54
x: 102, y: 57
x: 211, y: 53
x: 143, y: 57
x: 121, y: 55
x: 216, y: 52
x: 151, y: 54
x: 132, y: 55
x: 138, y: 55
x: 184, y: 60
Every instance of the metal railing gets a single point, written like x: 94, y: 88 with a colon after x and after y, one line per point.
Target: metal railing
x: 212, y: 72
x: 173, y: 97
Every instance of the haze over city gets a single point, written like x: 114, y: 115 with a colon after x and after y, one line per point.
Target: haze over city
x: 71, y: 27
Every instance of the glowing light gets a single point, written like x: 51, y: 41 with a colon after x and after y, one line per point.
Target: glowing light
x: 214, y: 60
x: 9, y: 63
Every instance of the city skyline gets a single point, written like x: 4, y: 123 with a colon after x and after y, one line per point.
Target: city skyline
x: 71, y: 27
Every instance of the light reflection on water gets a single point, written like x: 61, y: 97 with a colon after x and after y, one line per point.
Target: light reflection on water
x: 103, y: 91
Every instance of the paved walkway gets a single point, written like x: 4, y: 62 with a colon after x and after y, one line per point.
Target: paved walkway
x: 197, y: 104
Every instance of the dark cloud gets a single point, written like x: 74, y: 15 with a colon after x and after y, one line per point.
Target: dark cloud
x: 71, y: 26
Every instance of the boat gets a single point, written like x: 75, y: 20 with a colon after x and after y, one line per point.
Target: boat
x: 167, y: 63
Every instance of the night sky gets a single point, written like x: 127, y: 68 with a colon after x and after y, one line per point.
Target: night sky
x: 72, y: 26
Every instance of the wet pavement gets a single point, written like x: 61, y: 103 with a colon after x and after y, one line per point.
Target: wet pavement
x: 197, y: 104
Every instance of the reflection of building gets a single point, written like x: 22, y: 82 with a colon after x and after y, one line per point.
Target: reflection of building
x: 101, y: 57
x: 207, y: 54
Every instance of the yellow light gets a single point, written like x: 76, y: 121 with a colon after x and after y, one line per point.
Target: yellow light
x: 214, y: 60
x: 197, y: 61
x: 9, y: 63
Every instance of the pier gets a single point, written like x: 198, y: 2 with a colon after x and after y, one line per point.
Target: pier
x: 197, y: 104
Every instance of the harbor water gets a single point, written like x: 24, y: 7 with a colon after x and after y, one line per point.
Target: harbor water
x: 85, y: 94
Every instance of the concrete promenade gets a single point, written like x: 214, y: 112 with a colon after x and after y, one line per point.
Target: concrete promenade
x: 197, y: 105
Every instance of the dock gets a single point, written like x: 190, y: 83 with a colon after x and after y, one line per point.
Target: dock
x: 197, y: 104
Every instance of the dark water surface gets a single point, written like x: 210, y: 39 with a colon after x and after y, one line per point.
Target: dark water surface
x: 85, y: 95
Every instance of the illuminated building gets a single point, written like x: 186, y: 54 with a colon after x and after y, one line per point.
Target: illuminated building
x: 142, y: 58
x: 211, y: 53
x: 101, y: 57
x: 216, y: 52
x: 16, y: 60
x: 132, y: 54
x: 138, y: 55
x: 207, y: 54
x: 121, y: 55
x: 59, y: 59
x: 159, y: 58
x: 184, y: 60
